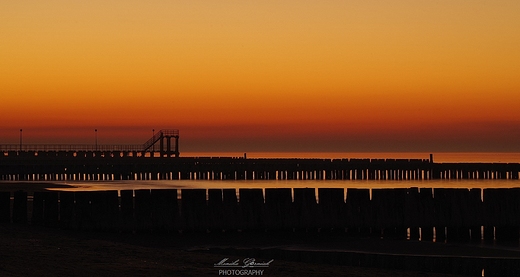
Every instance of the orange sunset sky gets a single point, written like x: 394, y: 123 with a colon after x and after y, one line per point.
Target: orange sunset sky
x: 264, y: 75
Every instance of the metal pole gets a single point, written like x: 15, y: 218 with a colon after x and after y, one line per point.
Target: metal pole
x: 20, y: 139
x: 153, y: 145
x: 96, y: 138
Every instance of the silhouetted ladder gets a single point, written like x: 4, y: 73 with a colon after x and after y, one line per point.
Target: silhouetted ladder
x: 167, y: 134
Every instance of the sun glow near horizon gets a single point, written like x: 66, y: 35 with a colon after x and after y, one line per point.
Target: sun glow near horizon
x: 335, y: 76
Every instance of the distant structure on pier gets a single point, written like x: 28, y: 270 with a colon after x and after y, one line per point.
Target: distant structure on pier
x: 161, y: 136
x: 160, y: 142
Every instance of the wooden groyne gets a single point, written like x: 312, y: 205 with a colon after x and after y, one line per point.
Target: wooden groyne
x: 439, y: 215
x: 130, y: 165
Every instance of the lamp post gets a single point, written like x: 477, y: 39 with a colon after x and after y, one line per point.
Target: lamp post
x: 153, y: 136
x: 20, y: 139
x: 95, y: 130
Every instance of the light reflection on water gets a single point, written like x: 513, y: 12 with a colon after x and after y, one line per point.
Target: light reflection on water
x: 226, y: 184
x: 375, y: 184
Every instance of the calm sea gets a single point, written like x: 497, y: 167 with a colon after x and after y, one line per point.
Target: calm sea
x: 372, y: 184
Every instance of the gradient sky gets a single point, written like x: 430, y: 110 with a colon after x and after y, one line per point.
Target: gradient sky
x: 332, y: 75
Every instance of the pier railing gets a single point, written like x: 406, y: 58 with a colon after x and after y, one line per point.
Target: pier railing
x: 166, y: 133
x: 70, y: 147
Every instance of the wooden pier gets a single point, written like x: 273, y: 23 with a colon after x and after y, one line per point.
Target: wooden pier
x: 135, y: 165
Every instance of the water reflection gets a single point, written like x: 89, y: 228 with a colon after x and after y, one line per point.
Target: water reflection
x: 236, y: 184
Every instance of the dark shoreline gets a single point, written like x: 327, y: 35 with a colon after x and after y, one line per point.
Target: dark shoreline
x: 27, y: 250
x: 31, y: 186
x: 196, y: 251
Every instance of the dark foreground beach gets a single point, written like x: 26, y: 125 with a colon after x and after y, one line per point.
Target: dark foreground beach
x: 31, y: 187
x: 27, y: 250
x: 37, y: 251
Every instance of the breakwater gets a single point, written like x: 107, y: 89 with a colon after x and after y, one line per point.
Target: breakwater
x: 133, y: 165
x: 439, y: 215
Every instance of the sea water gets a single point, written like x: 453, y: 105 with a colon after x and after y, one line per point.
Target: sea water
x: 369, y: 184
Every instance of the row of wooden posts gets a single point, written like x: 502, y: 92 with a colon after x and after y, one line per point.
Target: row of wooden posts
x: 347, y: 174
x: 53, y: 166
x: 440, y: 213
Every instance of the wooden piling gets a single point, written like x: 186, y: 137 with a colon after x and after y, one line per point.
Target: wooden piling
x: 278, y: 212
x: 230, y: 209
x: 51, y: 212
x: 105, y: 210
x: 387, y: 212
x: 442, y: 212
x: 20, y: 207
x: 358, y: 211
x: 143, y: 211
x: 194, y: 210
x: 127, y: 211
x: 427, y: 215
x: 165, y: 211
x: 5, y: 207
x: 508, y: 227
x: 332, y: 209
x: 459, y: 212
x: 215, y: 210
x: 305, y: 209
x: 251, y: 205
x: 67, y: 209
x: 38, y: 208
x: 84, y: 220
x: 412, y: 212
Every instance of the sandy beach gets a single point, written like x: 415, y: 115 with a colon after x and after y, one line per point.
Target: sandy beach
x: 27, y: 250
x: 30, y: 187
x: 37, y: 251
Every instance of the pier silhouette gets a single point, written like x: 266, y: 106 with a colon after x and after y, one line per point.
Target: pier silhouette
x: 63, y: 162
x: 426, y: 214
x: 148, y: 148
x: 144, y: 165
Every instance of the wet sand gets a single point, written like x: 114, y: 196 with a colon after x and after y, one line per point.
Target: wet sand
x: 30, y: 187
x: 37, y: 251
x: 27, y: 250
